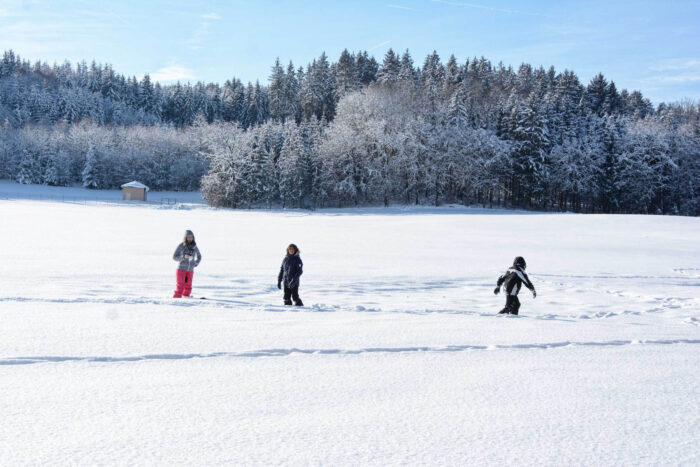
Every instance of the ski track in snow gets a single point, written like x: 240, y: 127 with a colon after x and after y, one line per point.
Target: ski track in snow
x: 665, y: 304
x: 287, y: 352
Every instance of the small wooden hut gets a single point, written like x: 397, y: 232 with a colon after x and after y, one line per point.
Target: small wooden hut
x: 134, y: 191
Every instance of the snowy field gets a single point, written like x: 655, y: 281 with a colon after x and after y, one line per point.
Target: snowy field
x: 10, y: 190
x: 397, y: 359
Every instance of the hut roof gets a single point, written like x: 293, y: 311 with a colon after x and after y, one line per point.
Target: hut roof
x: 135, y: 184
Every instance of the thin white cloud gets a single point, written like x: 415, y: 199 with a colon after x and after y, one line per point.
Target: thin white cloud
x: 675, y: 71
x: 46, y: 40
x: 401, y: 7
x: 200, y: 34
x: 381, y: 44
x: 49, y: 52
x: 486, y: 7
x: 674, y: 79
x: 677, y: 64
x: 173, y: 73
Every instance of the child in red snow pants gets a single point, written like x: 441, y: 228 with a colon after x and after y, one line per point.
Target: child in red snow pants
x: 188, y: 257
x: 183, y: 286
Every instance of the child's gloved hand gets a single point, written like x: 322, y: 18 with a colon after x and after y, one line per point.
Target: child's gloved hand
x: 496, y: 291
x: 279, y: 285
x: 534, y: 294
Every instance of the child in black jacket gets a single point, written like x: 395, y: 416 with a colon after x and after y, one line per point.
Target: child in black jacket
x: 290, y: 273
x: 512, y: 280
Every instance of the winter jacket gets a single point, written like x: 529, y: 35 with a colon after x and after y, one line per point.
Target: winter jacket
x: 291, y: 270
x: 187, y: 249
x: 513, y: 279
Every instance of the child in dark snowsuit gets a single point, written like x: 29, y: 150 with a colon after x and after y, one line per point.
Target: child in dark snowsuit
x: 512, y: 280
x: 290, y: 272
x: 188, y: 257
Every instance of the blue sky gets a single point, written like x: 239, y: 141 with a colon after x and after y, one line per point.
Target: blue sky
x: 653, y: 46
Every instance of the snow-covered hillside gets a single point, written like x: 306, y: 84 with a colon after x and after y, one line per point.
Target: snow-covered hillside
x: 397, y: 358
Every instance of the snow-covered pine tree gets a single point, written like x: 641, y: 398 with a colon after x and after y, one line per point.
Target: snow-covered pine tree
x: 322, y: 88
x: 92, y: 171
x: 530, y: 158
x: 29, y: 170
x: 232, y: 101
x: 290, y: 169
x: 389, y: 72
x: 608, y: 163
x: 407, y: 72
x: 367, y: 68
x: 57, y: 170
x: 277, y: 92
x: 291, y: 94
x: 346, y: 76
x: 432, y: 74
x: 596, y: 95
x: 307, y: 98
x: 452, y: 77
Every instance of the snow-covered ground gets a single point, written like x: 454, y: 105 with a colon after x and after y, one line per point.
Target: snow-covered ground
x: 397, y: 358
x: 11, y: 190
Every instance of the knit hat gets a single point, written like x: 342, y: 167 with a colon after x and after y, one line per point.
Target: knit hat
x: 184, y: 239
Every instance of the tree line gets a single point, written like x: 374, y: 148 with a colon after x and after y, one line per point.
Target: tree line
x: 39, y: 93
x: 356, y: 132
